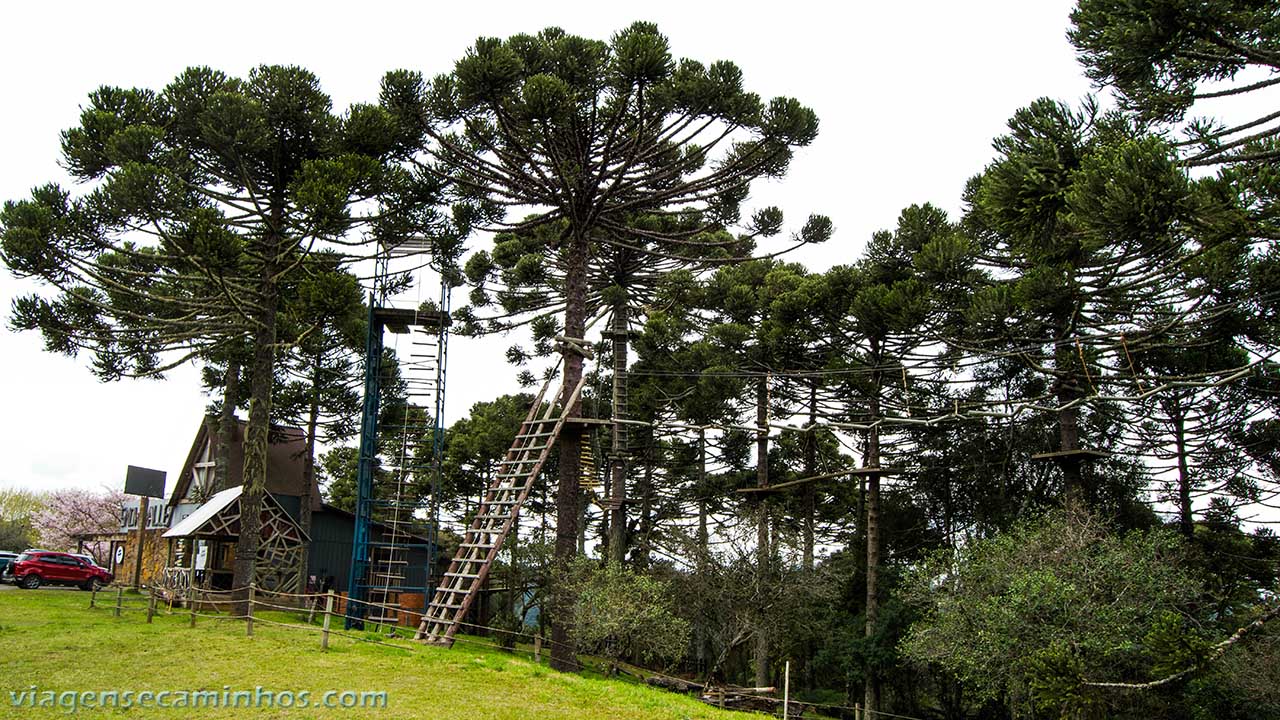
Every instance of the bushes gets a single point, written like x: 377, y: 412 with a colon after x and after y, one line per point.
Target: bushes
x: 1028, y: 615
x: 621, y: 614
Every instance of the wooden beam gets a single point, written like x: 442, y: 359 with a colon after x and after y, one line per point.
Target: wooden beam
x: 771, y: 490
x: 1078, y: 454
x: 588, y: 421
x: 877, y: 471
x: 825, y: 476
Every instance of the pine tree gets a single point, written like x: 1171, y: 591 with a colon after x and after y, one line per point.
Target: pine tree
x: 893, y: 302
x: 1077, y: 218
x: 205, y: 200
x: 592, y: 135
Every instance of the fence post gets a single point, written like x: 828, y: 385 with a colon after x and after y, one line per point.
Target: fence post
x: 151, y: 606
x: 857, y: 711
x: 248, y: 625
x: 119, y: 599
x: 537, y: 648
x: 328, y: 613
x: 786, y: 690
x: 191, y: 596
x: 93, y: 597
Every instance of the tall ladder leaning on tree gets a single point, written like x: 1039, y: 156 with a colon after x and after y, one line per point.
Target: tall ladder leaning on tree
x: 500, y: 510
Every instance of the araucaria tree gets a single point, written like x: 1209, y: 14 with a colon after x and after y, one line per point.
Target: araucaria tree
x: 204, y: 201
x: 1078, y: 216
x: 588, y: 137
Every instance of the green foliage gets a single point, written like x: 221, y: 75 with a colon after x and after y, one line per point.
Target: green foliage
x: 337, y: 475
x: 16, y: 534
x: 621, y: 613
x: 1031, y: 613
x: 475, y: 444
x: 1157, y: 52
x: 542, y: 120
x: 18, y: 504
x: 203, y: 201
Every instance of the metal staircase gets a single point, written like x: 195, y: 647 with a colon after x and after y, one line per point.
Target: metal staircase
x: 508, y: 490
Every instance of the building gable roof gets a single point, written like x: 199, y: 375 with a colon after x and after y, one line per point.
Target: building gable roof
x: 198, y: 522
x: 286, y: 462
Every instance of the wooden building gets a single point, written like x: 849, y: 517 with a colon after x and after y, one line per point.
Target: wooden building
x: 197, y: 527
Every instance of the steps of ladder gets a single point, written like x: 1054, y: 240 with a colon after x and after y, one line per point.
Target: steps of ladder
x: 508, y: 490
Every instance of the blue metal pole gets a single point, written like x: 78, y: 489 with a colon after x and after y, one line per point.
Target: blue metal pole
x: 437, y: 440
x: 357, y: 580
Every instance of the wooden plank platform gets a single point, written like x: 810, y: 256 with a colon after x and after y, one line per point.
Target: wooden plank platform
x: 398, y: 320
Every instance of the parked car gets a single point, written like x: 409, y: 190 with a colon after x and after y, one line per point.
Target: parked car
x: 35, y: 568
x: 6, y: 575
x: 6, y: 559
x: 87, y: 558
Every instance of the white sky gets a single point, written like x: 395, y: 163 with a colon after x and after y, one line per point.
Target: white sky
x: 909, y: 96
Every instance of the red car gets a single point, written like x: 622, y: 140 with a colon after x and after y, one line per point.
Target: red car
x: 35, y: 568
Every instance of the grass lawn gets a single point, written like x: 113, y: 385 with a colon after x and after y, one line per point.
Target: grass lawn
x: 49, y: 638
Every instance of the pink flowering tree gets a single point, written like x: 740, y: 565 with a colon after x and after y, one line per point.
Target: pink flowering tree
x: 68, y: 513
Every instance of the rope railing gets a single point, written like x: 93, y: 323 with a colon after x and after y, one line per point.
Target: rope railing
x: 148, y: 601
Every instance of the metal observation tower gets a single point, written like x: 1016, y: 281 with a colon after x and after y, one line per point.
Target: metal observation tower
x: 394, y: 548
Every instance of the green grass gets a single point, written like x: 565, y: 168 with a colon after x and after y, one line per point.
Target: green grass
x: 51, y: 639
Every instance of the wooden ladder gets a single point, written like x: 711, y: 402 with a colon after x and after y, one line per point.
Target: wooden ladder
x: 507, y: 493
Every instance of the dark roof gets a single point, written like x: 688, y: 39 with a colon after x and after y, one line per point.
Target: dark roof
x: 335, y: 510
x: 286, y: 462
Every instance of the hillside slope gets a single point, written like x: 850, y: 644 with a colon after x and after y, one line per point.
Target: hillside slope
x: 51, y: 640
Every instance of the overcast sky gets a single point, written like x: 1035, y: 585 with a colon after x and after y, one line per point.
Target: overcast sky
x: 909, y: 96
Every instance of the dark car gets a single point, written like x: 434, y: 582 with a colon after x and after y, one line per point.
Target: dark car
x: 6, y: 559
x: 35, y: 568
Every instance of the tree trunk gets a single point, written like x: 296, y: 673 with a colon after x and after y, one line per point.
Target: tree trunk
x: 809, y: 492
x: 309, y: 474
x: 1068, y: 390
x: 644, y: 548
x: 1186, y: 520
x: 513, y: 577
x: 582, y: 522
x: 703, y: 538
x: 871, y: 689
x: 809, y: 508
x: 563, y: 647
x: 255, y: 444
x: 762, y: 528
x: 226, y: 427
x: 618, y: 456
x: 702, y: 642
